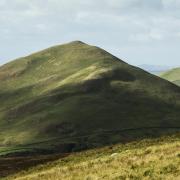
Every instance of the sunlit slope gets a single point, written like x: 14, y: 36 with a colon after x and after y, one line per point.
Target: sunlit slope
x: 82, y: 96
x: 172, y: 75
x: 148, y: 159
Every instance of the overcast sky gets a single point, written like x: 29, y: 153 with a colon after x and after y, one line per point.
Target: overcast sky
x: 137, y: 31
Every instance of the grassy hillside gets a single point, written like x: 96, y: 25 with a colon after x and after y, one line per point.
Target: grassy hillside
x: 76, y: 96
x: 172, y: 75
x: 147, y: 159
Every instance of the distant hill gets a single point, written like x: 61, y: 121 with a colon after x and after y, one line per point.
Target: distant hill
x: 173, y: 75
x: 154, y: 69
x: 76, y: 96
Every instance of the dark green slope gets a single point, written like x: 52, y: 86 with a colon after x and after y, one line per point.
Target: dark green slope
x: 76, y: 96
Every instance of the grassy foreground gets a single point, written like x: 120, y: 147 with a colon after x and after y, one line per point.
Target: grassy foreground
x: 146, y: 159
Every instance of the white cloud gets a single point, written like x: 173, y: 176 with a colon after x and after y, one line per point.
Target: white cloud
x: 175, y: 4
x: 121, y: 23
x: 146, y: 37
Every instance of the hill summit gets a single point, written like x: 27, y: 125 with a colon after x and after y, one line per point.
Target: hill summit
x: 76, y: 96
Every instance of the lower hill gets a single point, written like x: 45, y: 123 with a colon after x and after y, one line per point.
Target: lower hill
x: 76, y: 96
x: 172, y: 75
x: 147, y: 159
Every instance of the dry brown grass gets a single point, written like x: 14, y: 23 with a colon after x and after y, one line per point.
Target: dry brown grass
x: 159, y: 159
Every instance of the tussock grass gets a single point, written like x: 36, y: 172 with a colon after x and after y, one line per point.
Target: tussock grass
x: 148, y: 159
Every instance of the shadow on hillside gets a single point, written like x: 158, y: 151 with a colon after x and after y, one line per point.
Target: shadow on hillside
x: 12, y: 165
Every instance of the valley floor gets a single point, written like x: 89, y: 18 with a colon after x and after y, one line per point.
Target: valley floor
x: 146, y: 159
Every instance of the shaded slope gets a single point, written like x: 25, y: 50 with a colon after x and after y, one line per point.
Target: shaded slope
x: 172, y: 75
x: 76, y: 90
